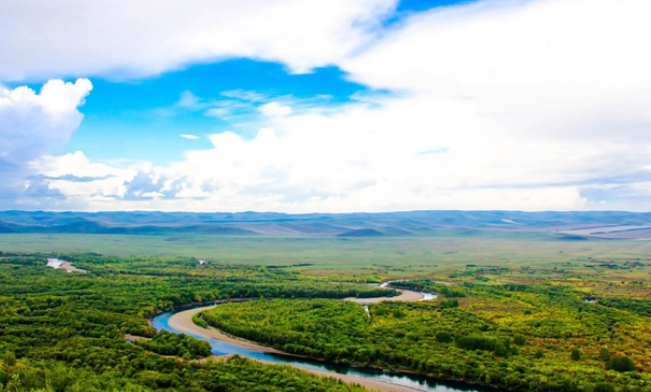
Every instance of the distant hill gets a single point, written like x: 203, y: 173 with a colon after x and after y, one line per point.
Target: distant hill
x: 91, y: 227
x: 362, y: 233
x: 569, y: 225
x: 397, y: 232
x: 8, y: 227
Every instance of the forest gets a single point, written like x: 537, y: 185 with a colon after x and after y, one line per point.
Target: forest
x: 65, y: 332
x: 520, y: 337
x: 516, y: 328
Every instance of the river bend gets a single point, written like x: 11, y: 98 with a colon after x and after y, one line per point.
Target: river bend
x: 221, y: 344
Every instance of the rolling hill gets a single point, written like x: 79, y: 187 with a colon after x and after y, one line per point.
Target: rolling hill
x: 589, y: 224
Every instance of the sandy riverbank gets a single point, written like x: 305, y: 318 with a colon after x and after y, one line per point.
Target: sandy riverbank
x: 64, y: 265
x: 405, y: 295
x: 182, y: 322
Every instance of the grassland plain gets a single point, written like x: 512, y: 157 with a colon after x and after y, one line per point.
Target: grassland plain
x: 537, y: 255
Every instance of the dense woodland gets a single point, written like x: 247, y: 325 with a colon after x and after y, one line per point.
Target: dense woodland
x: 65, y: 332
x: 524, y: 337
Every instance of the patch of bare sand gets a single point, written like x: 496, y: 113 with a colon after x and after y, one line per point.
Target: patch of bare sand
x: 182, y: 321
x: 368, y: 383
x: 70, y: 268
x: 64, y: 265
x: 405, y: 295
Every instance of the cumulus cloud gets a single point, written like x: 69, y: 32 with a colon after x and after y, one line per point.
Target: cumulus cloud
x: 498, y: 105
x: 274, y: 109
x: 34, y: 123
x: 547, y: 63
x: 31, y: 122
x: 80, y: 181
x: 190, y: 137
x: 153, y: 37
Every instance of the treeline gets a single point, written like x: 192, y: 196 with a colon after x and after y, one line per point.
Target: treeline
x: 180, y: 345
x: 638, y: 305
x: 163, y: 374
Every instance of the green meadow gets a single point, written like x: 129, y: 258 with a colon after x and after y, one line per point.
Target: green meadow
x: 441, y: 252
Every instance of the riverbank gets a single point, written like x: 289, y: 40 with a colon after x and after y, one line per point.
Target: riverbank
x: 182, y: 322
x: 405, y: 295
x: 64, y: 265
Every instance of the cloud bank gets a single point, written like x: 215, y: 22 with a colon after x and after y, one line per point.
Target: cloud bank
x: 32, y: 124
x: 133, y: 39
x: 530, y: 105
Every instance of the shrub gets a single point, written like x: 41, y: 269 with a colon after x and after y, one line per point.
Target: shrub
x: 444, y: 337
x: 519, y: 340
x: 199, y: 321
x: 622, y: 364
x: 604, y: 387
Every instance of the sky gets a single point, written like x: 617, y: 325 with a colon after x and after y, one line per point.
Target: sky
x: 325, y: 106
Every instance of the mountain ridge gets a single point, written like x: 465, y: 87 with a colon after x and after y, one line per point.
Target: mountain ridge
x: 597, y: 224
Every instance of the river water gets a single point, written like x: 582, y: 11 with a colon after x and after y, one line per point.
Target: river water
x: 161, y: 322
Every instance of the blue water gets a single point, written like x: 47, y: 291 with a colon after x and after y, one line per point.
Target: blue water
x: 161, y: 323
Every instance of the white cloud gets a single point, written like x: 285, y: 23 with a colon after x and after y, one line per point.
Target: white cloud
x: 539, y: 69
x: 30, y: 122
x: 75, y: 163
x: 274, y: 109
x: 35, y: 123
x: 313, y: 165
x: 244, y: 95
x: 189, y: 101
x: 77, y: 178
x: 127, y: 38
x: 528, y: 104
x: 190, y: 137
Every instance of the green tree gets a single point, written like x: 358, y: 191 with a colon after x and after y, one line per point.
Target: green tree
x: 9, y: 358
x: 519, y: 340
x: 444, y: 337
x: 501, y: 350
x: 604, y: 387
x: 622, y: 364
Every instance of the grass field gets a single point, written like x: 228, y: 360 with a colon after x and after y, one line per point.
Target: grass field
x: 441, y: 253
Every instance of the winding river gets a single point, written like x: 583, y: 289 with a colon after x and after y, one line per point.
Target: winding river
x: 181, y: 322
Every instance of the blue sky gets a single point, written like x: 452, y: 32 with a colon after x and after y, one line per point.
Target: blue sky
x: 119, y: 110
x: 341, y: 106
